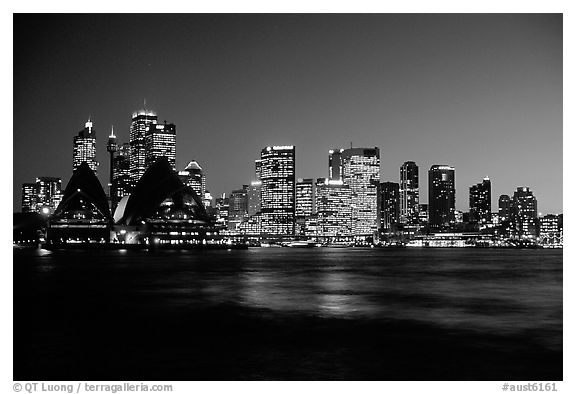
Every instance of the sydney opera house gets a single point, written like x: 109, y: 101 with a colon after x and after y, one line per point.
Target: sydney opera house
x: 162, y: 210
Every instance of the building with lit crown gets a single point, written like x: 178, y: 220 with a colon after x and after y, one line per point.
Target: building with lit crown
x: 334, y: 211
x: 193, y: 176
x: 409, y: 194
x: 441, y: 197
x: 335, y: 164
x: 85, y: 148
x: 361, y: 172
x: 141, y: 121
x: 278, y: 201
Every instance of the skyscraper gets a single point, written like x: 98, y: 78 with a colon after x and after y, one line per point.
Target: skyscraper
x: 258, y: 168
x: 254, y: 205
x: 504, y: 208
x: 238, y: 207
x: 481, y: 202
x: 441, y: 197
x: 48, y: 194
x: 305, y: 197
x: 334, y: 212
x: 361, y: 172
x: 141, y: 121
x: 193, y: 176
x: 278, y: 175
x: 335, y: 164
x: 409, y: 193
x: 121, y: 181
x: 389, y: 205
x: 29, y: 197
x: 160, y: 141
x: 85, y: 148
x: 111, y: 147
x: 524, y: 209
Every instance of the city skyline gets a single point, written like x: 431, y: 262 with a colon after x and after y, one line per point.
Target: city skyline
x: 475, y: 153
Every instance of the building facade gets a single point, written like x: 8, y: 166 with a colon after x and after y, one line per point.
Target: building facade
x: 524, y: 210
x: 504, y: 208
x: 361, y: 172
x: 441, y: 197
x: 254, y: 205
x: 409, y: 194
x: 121, y: 181
x: 335, y: 164
x: 390, y: 198
x: 238, y: 208
x: 481, y: 202
x: 141, y: 121
x: 305, y: 197
x: 334, y: 211
x: 278, y: 176
x: 193, y: 176
x: 85, y: 148
x: 48, y: 194
x: 29, y: 197
x: 160, y: 142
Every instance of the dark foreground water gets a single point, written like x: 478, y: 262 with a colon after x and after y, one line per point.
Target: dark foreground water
x: 288, y: 314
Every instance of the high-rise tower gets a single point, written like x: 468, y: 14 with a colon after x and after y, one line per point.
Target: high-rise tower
x: 160, y: 141
x: 85, y: 148
x: 141, y: 121
x: 481, y: 202
x: 409, y: 193
x: 441, y: 197
x: 111, y: 147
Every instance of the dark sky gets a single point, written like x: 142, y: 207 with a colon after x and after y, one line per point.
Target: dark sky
x: 480, y: 92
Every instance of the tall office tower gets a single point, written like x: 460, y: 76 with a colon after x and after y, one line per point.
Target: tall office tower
x: 481, y: 202
x: 238, y: 207
x: 160, y: 142
x: 504, y: 208
x: 409, y: 193
x: 111, y: 147
x: 48, y: 194
x: 389, y: 205
x: 141, y: 121
x: 222, y: 208
x: 85, y: 148
x: 524, y: 210
x: 361, y: 172
x: 278, y: 176
x: 254, y: 205
x: 207, y: 199
x: 258, y: 168
x: 305, y: 197
x: 29, y: 197
x: 423, y: 213
x: 334, y: 212
x: 335, y: 164
x: 193, y: 176
x: 121, y: 181
x: 441, y: 197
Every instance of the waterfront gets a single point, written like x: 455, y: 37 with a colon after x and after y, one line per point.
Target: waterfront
x: 282, y: 314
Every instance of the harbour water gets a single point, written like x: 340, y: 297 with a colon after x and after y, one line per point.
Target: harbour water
x: 288, y: 314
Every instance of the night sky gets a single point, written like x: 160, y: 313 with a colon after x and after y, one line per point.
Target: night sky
x: 480, y: 92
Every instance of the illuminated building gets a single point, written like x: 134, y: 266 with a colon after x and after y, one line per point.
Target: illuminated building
x: 238, y: 208
x: 305, y: 197
x: 524, y: 213
x: 222, y: 208
x: 254, y: 205
x: 441, y: 197
x: 193, y: 176
x: 258, y: 168
x: 111, y: 147
x: 409, y: 193
x: 48, y: 194
x: 160, y: 141
x: 361, y: 172
x: 550, y: 224
x: 481, y: 202
x: 141, y: 121
x: 423, y: 213
x: 335, y: 164
x: 121, y: 182
x: 504, y: 208
x: 278, y: 189
x: 334, y: 212
x: 389, y: 205
x: 29, y: 197
x: 85, y: 148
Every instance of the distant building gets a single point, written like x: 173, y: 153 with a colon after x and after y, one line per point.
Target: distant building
x: 85, y: 148
x: 524, y: 213
x: 361, y: 172
x: 48, y: 194
x: 238, y: 208
x: 112, y: 148
x: 141, y: 122
x: 278, y: 176
x: 305, y: 197
x: 504, y: 208
x: 254, y: 205
x: 335, y: 164
x: 481, y: 202
x: 551, y: 224
x: 29, y: 197
x: 423, y: 214
x: 258, y: 168
x: 389, y: 205
x: 222, y: 208
x: 121, y: 182
x: 160, y: 141
x: 334, y: 212
x: 193, y: 176
x: 409, y: 193
x: 441, y: 197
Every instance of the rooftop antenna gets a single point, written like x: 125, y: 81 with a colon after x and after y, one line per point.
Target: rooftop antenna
x: 112, y: 132
x: 350, y: 144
